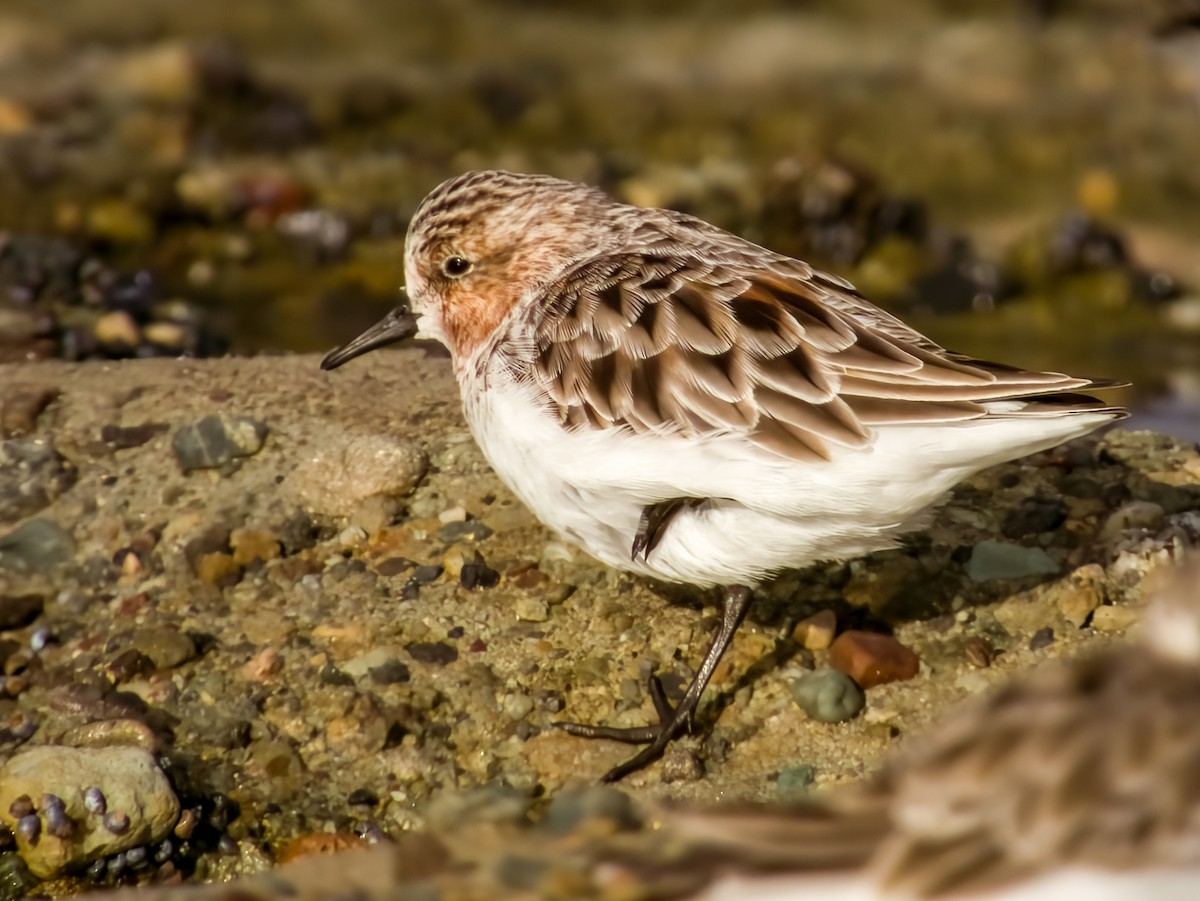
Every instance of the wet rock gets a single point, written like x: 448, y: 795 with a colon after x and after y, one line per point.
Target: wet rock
x: 1033, y: 516
x: 21, y: 407
x: 828, y: 695
x: 991, y: 560
x: 337, y: 480
x: 477, y: 574
x: 871, y: 659
x: 132, y: 784
x: 18, y: 611
x: 39, y: 544
x: 216, y: 440
x: 816, y: 632
x: 32, y: 475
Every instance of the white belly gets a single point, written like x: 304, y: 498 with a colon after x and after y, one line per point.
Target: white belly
x: 767, y: 514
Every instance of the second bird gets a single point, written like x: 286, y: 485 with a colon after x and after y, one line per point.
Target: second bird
x: 690, y: 406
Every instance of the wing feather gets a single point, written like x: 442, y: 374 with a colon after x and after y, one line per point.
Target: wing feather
x: 658, y: 340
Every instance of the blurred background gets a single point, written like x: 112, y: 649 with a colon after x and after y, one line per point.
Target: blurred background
x: 1018, y: 178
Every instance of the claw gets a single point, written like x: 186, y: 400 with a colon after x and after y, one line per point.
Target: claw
x: 653, y: 522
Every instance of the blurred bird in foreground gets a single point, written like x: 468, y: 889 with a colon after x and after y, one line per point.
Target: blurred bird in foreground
x: 1078, y: 780
x: 689, y: 406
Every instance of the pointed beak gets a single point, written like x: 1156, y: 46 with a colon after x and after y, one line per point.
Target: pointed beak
x: 395, y: 326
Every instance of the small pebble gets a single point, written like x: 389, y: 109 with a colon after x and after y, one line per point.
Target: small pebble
x: 979, y: 651
x: 94, y: 801
x: 164, y: 851
x: 816, y: 632
x: 29, y: 827
x: 21, y: 807
x: 97, y: 869
x: 116, y: 822
x: 39, y: 639
x: 187, y: 824
x: 1042, y: 638
x: 136, y: 857
x: 828, y: 695
x: 227, y: 846
x: 870, y: 658
x: 116, y: 865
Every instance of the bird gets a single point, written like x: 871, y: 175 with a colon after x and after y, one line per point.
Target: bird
x: 687, y: 405
x: 1080, y: 778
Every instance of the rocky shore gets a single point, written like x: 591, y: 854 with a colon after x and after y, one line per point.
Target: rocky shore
x: 251, y: 611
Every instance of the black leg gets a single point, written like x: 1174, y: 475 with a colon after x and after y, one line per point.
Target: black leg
x: 735, y: 602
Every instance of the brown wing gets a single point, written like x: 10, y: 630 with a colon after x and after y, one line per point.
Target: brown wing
x: 665, y: 341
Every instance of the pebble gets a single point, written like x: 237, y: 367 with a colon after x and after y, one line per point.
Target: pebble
x: 32, y: 475
x: 828, y: 695
x: 19, y: 611
x: 216, y: 440
x: 436, y: 653
x: 38, y: 545
x: 21, y: 407
x: 117, y: 331
x: 128, y: 437
x: 249, y: 545
x: 166, y: 648
x: 816, y: 632
x: 979, y: 651
x: 134, y: 787
x: 338, y: 478
x: 533, y: 610
x: 467, y: 530
x: 1042, y: 638
x: 477, y: 574
x: 991, y: 560
x: 871, y: 659
x: 795, y: 781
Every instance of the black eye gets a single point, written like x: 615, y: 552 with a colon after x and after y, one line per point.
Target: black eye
x: 456, y: 267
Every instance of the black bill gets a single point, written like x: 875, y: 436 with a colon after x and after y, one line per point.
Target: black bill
x: 395, y: 326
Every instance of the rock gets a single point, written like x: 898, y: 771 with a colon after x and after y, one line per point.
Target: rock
x: 437, y: 653
x: 828, y: 695
x: 1033, y: 516
x: 816, y: 632
x: 336, y: 480
x: 533, y: 610
x: 1042, y: 638
x: 166, y: 648
x: 1114, y: 618
x: 38, y: 544
x: 795, y: 780
x: 32, y: 475
x: 1133, y: 515
x: 249, y: 545
x: 19, y: 611
x: 992, y: 560
x: 126, y: 437
x: 978, y: 651
x: 21, y: 407
x: 117, y: 330
x: 1082, y: 594
x: 216, y: 440
x: 871, y: 659
x: 133, y: 787
x: 468, y: 530
x: 376, y: 658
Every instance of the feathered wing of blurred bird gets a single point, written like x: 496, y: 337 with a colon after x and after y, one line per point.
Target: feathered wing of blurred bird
x: 1080, y: 779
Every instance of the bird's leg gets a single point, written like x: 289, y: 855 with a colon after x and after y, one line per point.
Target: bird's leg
x: 735, y: 601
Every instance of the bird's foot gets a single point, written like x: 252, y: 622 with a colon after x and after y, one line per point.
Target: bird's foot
x: 671, y: 722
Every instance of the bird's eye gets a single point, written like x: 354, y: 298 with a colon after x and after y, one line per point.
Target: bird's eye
x: 456, y: 267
